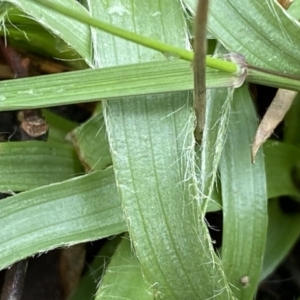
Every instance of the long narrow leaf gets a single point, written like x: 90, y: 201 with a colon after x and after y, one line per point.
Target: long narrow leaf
x: 274, y: 31
x: 151, y: 140
x: 91, y: 144
x: 281, y: 161
x: 244, y: 198
x: 157, y: 184
x: 59, y: 126
x: 81, y: 209
x: 280, y: 237
x: 92, y: 85
x: 66, y: 28
x: 28, y: 165
x: 124, y: 278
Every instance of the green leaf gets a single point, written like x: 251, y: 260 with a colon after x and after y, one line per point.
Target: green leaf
x: 160, y: 205
x: 92, y: 85
x: 276, y: 34
x: 283, y: 232
x: 244, y: 198
x: 279, y: 80
x: 281, y: 160
x: 123, y: 278
x: 87, y: 286
x: 27, y: 165
x: 59, y: 126
x: 62, y: 214
x: 292, y: 124
x: 214, y: 136
x: 127, y: 15
x: 294, y: 9
x: 65, y: 28
x: 91, y: 144
x: 37, y: 40
x: 151, y: 139
x: 273, y: 58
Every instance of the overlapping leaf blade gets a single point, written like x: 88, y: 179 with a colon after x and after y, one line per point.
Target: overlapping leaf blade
x: 87, y: 286
x: 276, y: 34
x: 67, y: 29
x: 124, y: 113
x: 65, y: 213
x: 108, y: 83
x: 90, y: 141
x: 282, y: 160
x: 283, y: 232
x: 244, y: 198
x: 124, y: 277
x: 152, y: 143
x: 166, y: 191
x: 28, y: 165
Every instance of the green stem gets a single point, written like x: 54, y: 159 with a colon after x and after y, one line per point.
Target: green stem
x: 138, y: 39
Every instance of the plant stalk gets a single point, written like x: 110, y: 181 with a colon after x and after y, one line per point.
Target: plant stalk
x: 164, y: 48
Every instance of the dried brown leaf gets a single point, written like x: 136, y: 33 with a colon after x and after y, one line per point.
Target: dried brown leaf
x: 285, y: 3
x: 274, y: 115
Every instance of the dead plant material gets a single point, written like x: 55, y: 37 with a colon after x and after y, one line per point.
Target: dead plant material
x: 285, y: 3
x: 32, y: 124
x: 32, y: 127
x: 47, y: 66
x: 18, y: 65
x: 71, y: 264
x: 274, y: 115
x: 14, y: 281
x: 5, y: 72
